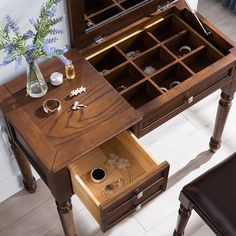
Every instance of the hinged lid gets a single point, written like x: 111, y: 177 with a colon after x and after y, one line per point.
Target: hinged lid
x: 92, y: 20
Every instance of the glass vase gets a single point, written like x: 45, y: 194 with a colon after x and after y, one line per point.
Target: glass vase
x: 36, y: 85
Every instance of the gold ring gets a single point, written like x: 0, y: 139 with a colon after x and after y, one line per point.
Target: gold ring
x: 51, y: 105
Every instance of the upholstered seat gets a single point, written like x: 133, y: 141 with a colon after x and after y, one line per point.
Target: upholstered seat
x: 213, y: 197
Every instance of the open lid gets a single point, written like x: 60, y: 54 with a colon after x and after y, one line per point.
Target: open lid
x: 91, y: 20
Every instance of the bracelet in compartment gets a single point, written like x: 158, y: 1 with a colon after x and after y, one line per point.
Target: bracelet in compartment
x: 184, y: 50
x: 164, y: 89
x: 174, y: 83
x: 121, y: 88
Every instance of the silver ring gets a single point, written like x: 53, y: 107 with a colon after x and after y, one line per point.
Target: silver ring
x: 164, y: 89
x: 121, y: 88
x: 185, y: 50
x: 51, y: 105
x: 98, y: 174
x: 174, y: 83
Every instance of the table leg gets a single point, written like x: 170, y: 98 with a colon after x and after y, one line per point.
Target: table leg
x: 222, y: 114
x: 66, y: 216
x: 24, y: 166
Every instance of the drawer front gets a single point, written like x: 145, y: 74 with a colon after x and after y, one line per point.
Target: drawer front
x: 182, y: 101
x: 133, y: 200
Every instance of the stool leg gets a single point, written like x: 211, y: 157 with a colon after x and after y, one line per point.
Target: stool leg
x: 183, y: 217
x: 222, y: 114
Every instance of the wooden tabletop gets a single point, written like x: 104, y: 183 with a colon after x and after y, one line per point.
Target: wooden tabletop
x: 60, y: 138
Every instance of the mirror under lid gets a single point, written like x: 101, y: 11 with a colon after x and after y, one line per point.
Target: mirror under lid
x: 98, y: 18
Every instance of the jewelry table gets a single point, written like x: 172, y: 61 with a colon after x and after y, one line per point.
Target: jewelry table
x: 64, y: 147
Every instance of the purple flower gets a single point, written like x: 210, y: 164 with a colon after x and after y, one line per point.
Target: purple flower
x: 51, y: 12
x: 28, y: 35
x: 6, y: 60
x: 33, y: 22
x: 9, y: 48
x: 56, y: 31
x: 47, y: 49
x: 51, y: 40
x: 64, y: 60
x: 57, y: 20
x: 13, y: 26
x: 56, y: 1
x: 29, y: 57
x: 18, y: 63
x: 29, y: 47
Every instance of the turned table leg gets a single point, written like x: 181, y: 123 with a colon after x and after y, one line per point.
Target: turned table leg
x: 25, y: 169
x: 222, y: 114
x: 66, y: 216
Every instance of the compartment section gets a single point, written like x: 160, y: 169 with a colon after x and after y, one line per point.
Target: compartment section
x: 107, y: 60
x: 106, y: 14
x: 93, y: 6
x: 130, y: 176
x: 137, y: 44
x: 154, y: 60
x: 123, y: 77
x: 141, y: 94
x: 184, y: 43
x: 171, y: 77
x: 202, y: 59
x: 167, y: 28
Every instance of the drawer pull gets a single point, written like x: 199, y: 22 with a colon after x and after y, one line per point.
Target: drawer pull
x: 139, y: 195
x: 138, y: 207
x: 189, y: 99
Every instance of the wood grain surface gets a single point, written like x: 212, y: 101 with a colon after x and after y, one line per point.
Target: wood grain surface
x: 59, y: 138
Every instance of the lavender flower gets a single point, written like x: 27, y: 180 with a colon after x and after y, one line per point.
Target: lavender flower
x: 33, y: 22
x: 18, y: 63
x: 32, y: 44
x: 28, y: 35
x: 12, y: 25
x: 56, y: 31
x: 64, y: 60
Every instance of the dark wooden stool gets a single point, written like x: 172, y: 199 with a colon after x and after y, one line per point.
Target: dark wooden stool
x: 213, y: 196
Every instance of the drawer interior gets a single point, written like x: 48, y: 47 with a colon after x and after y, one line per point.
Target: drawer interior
x: 154, y: 60
x: 126, y: 163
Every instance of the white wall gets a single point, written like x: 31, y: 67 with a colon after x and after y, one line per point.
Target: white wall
x: 21, y: 11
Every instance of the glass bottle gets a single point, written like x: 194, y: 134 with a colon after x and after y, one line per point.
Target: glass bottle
x: 70, y: 71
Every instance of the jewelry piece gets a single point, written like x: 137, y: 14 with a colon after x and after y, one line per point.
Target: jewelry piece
x: 51, y: 105
x: 132, y: 53
x: 77, y: 105
x: 103, y: 72
x: 77, y: 91
x: 184, y: 50
x: 56, y: 78
x: 164, y: 89
x: 98, y: 174
x: 174, y: 83
x: 150, y: 70
x: 121, y: 88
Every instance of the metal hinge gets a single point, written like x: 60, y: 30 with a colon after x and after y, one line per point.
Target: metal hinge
x: 166, y: 5
x: 99, y: 40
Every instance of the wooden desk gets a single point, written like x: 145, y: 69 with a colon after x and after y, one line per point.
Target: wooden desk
x: 48, y: 142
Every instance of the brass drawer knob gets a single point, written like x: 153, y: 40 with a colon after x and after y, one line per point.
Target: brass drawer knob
x: 139, y: 195
x: 138, y: 207
x: 189, y: 99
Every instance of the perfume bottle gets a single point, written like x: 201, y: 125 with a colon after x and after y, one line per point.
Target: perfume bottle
x: 70, y: 71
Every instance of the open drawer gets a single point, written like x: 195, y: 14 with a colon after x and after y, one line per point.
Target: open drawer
x: 132, y: 179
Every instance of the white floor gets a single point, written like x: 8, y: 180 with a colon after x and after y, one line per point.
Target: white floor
x: 183, y: 142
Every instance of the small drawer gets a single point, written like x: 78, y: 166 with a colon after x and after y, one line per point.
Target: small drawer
x: 182, y: 101
x: 132, y: 179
